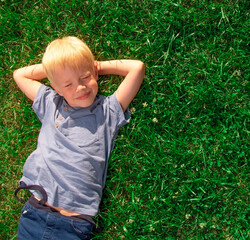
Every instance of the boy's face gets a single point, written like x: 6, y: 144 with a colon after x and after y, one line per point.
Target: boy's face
x: 79, y: 88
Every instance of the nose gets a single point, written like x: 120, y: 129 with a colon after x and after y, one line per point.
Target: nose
x: 80, y: 87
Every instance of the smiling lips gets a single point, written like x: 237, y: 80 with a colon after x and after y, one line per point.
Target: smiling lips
x: 86, y: 95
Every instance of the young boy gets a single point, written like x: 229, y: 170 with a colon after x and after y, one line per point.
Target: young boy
x: 67, y: 171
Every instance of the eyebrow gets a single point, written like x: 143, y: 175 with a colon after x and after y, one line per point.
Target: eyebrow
x: 85, y: 74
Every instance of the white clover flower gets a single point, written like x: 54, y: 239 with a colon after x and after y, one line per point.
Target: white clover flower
x: 152, y: 229
x: 202, y: 225
x: 132, y: 110
x: 130, y: 221
x: 188, y: 216
x: 145, y: 104
x: 155, y: 120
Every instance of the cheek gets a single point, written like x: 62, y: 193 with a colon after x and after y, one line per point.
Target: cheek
x: 67, y: 93
x: 94, y: 86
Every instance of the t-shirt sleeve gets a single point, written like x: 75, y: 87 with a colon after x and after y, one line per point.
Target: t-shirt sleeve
x: 118, y: 118
x: 41, y: 101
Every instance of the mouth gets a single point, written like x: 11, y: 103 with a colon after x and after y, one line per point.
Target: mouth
x: 84, y: 96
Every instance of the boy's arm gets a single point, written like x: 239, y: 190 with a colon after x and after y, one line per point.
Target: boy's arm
x: 28, y: 78
x: 132, y: 70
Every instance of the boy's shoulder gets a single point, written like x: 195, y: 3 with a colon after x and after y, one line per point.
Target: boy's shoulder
x: 44, y: 92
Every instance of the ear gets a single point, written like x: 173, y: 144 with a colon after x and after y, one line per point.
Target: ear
x: 53, y: 86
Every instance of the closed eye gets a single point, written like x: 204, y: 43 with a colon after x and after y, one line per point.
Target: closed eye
x: 68, y: 85
x: 85, y: 77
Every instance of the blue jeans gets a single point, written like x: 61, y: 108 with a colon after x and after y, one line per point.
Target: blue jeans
x: 39, y: 224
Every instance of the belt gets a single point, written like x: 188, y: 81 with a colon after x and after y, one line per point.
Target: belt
x: 42, y: 203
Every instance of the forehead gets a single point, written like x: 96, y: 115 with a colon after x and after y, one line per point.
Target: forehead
x: 62, y: 72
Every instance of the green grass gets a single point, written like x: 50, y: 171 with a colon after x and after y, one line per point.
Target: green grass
x: 180, y: 168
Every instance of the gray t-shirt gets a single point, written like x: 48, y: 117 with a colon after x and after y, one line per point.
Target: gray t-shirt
x: 73, y: 148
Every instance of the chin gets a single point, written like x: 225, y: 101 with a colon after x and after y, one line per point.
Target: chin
x: 84, y: 105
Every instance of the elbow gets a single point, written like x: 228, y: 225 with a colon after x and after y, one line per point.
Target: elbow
x: 141, y: 65
x: 18, y: 75
x: 142, y: 69
x: 15, y: 75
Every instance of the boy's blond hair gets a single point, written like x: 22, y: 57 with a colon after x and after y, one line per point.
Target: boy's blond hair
x: 67, y: 51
